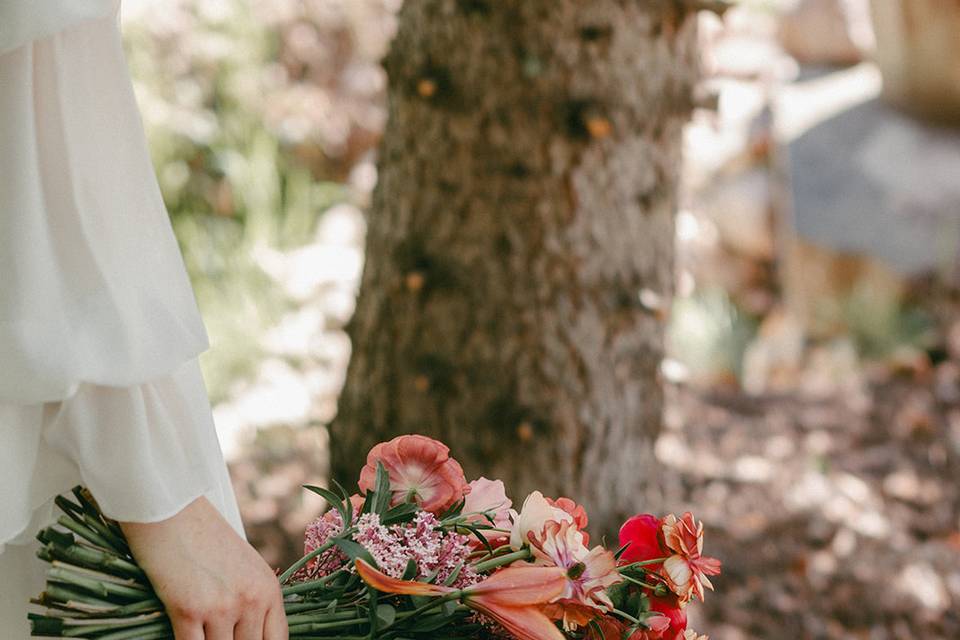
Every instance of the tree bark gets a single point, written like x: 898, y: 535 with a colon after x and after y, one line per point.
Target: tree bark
x: 520, y: 236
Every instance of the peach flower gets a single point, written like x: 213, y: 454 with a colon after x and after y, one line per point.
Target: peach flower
x: 535, y: 513
x: 590, y: 572
x: 686, y: 571
x: 420, y: 469
x: 576, y: 511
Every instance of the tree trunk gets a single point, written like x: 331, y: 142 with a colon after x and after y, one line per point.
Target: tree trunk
x: 521, y: 234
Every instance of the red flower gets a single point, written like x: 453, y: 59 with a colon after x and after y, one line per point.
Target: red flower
x: 642, y: 534
x: 669, y: 606
x: 420, y: 469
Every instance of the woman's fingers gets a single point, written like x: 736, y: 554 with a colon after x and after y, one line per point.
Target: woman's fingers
x: 275, y: 626
x: 219, y: 629
x: 187, y: 630
x: 250, y: 626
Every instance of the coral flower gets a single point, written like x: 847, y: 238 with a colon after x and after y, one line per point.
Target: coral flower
x: 686, y: 571
x: 610, y: 628
x: 606, y: 628
x: 420, y: 469
x: 590, y: 572
x: 514, y: 596
x: 576, y: 511
x: 535, y: 513
x: 489, y: 497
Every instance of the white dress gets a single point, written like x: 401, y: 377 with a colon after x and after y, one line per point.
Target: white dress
x: 99, y: 329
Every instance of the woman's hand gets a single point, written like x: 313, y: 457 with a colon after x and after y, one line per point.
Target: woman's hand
x: 215, y: 586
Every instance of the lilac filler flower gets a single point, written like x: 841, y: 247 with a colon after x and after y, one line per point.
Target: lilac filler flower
x: 436, y: 552
x: 318, y: 533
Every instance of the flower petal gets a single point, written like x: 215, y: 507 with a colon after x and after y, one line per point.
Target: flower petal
x: 382, y: 582
x: 525, y: 623
x: 521, y: 586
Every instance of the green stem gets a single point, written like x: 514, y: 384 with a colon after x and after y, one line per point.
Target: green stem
x: 627, y: 616
x: 499, y: 561
x: 454, y: 595
x: 640, y: 583
x: 306, y: 587
x: 643, y: 563
x: 85, y: 532
x: 296, y: 566
x: 320, y: 616
x: 307, y: 627
x: 154, y: 630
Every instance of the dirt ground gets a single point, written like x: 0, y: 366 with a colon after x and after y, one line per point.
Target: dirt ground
x: 834, y: 518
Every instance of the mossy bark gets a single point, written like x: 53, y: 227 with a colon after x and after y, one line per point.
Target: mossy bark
x: 522, y: 224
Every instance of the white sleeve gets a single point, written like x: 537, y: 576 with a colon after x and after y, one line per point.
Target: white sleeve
x: 92, y: 284
x: 99, y: 328
x: 24, y: 20
x: 145, y: 451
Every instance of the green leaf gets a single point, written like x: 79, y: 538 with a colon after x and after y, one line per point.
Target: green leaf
x: 386, y: 614
x: 383, y: 494
x: 453, y: 511
x: 400, y: 513
x: 335, y: 502
x: 620, y: 551
x: 476, y: 531
x: 410, y: 572
x: 453, y: 575
x: 354, y: 550
x: 431, y: 622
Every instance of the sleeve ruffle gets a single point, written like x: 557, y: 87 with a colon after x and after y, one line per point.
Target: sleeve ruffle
x: 145, y: 452
x: 92, y: 284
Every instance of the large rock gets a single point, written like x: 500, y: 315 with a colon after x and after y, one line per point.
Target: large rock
x: 832, y: 32
x: 918, y: 49
x: 872, y: 202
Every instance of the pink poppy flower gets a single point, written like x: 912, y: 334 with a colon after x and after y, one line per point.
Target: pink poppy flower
x: 420, y: 469
x: 686, y: 571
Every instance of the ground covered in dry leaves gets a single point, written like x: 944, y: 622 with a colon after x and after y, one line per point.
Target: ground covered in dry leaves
x: 835, y: 518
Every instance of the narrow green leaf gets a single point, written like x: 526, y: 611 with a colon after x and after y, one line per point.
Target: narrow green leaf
x: 386, y: 614
x: 354, y: 550
x: 383, y: 494
x: 333, y: 500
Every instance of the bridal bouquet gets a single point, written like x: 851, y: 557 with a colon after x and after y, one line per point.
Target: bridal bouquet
x: 418, y: 553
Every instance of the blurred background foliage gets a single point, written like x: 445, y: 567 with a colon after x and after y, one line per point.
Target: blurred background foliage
x: 256, y: 114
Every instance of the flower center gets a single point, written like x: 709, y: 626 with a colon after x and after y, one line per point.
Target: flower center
x: 576, y: 570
